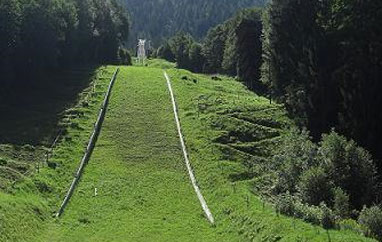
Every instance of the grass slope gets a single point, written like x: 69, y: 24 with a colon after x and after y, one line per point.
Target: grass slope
x: 31, y: 114
x: 144, y: 193
x: 28, y: 201
x: 230, y: 132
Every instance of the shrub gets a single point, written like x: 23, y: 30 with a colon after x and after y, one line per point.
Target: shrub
x: 371, y: 219
x: 290, y: 205
x: 350, y: 224
x: 327, y: 217
x: 165, y: 52
x: 315, y: 186
x: 341, y: 204
x: 296, y: 154
x: 350, y: 167
x: 310, y: 214
x: 285, y: 204
x: 124, y: 56
x: 3, y: 161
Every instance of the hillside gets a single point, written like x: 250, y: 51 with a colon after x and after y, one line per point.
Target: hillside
x: 158, y: 19
x: 143, y: 190
x: 246, y: 120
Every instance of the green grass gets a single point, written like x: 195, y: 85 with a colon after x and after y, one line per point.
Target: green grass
x: 144, y: 193
x: 155, y: 63
x: 229, y: 131
x: 28, y: 201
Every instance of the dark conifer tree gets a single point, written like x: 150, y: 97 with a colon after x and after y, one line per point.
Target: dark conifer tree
x: 213, y: 49
x: 249, y: 49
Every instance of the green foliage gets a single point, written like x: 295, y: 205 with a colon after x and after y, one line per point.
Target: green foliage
x: 165, y: 52
x: 323, y: 60
x: 249, y: 48
x: 291, y: 42
x: 354, y: 29
x: 233, y: 48
x: 213, y: 49
x: 196, y: 58
x: 44, y: 34
x: 184, y: 50
x: 180, y: 45
x: 351, y: 168
x: 335, y: 172
x: 285, y: 204
x: 371, y: 219
x: 350, y: 225
x: 124, y: 57
x: 289, y: 205
x: 296, y: 154
x: 159, y: 20
x: 341, y: 203
x: 327, y: 217
x: 315, y: 186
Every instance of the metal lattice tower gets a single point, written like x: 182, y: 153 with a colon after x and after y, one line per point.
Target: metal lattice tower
x: 141, y: 51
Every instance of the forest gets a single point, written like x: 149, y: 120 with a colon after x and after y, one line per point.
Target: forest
x: 157, y: 20
x: 44, y: 34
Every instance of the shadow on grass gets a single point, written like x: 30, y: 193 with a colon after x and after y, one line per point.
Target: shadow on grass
x: 31, y: 110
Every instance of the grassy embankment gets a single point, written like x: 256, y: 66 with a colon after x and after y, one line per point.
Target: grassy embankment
x: 30, y: 190
x: 143, y: 189
x: 231, y: 133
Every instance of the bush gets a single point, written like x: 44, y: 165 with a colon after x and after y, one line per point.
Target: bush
x: 310, y: 214
x: 124, y: 57
x: 285, y: 204
x: 371, y: 219
x: 297, y: 153
x: 327, y: 217
x: 165, y: 52
x: 350, y: 224
x: 351, y: 168
x: 290, y: 205
x: 3, y: 161
x: 322, y: 183
x: 341, y: 204
x: 315, y: 186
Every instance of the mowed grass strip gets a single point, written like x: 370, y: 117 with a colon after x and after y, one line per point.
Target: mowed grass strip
x: 143, y: 190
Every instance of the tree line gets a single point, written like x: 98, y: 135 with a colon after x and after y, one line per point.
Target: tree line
x: 232, y: 48
x: 158, y: 20
x: 322, y: 59
x: 41, y: 34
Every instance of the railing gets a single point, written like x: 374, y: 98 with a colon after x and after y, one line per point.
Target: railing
x: 90, y: 147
